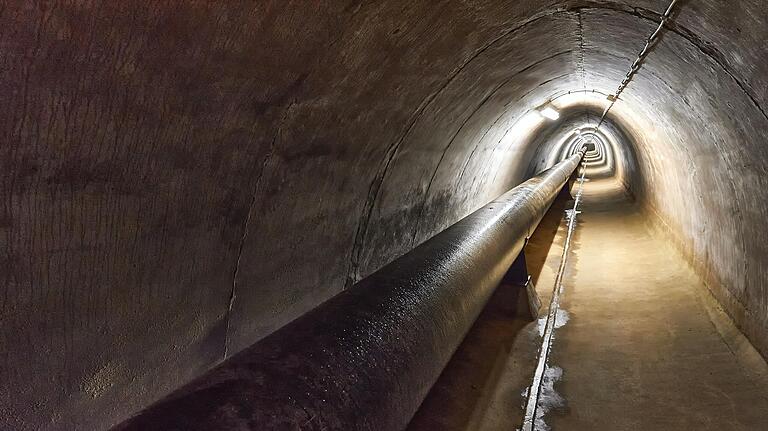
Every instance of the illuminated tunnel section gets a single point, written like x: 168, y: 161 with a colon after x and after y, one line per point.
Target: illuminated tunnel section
x: 612, y: 155
x: 180, y: 180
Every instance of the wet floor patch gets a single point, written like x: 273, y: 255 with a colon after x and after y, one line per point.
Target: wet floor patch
x: 549, y: 398
x: 539, y: 393
x: 560, y: 321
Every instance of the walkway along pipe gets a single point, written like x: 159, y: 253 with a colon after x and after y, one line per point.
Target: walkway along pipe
x: 365, y: 359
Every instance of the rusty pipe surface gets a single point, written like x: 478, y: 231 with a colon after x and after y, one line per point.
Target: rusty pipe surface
x: 365, y: 359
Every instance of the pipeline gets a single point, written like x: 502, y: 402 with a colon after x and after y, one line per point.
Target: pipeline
x: 365, y: 359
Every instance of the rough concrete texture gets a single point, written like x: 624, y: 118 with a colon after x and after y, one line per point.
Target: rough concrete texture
x: 639, y: 343
x: 180, y: 179
x: 366, y: 359
x: 643, y: 348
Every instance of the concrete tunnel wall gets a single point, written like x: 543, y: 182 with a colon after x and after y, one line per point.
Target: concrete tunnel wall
x: 182, y: 178
x: 576, y: 126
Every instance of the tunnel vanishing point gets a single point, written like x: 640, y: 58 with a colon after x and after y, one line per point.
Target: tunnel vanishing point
x: 384, y: 215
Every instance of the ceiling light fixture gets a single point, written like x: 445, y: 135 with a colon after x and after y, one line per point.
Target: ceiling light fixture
x: 549, y: 112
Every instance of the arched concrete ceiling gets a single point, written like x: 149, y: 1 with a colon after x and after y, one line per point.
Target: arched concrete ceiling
x: 182, y: 178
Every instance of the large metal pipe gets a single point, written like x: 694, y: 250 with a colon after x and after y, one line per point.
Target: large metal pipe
x: 365, y: 359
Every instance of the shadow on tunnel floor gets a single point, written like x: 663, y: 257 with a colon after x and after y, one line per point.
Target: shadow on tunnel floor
x: 466, y: 388
x: 541, y: 241
x: 482, y: 384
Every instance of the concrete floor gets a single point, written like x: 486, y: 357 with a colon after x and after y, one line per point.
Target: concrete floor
x: 640, y: 344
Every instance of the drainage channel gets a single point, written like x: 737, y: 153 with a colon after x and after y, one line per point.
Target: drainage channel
x: 532, y: 403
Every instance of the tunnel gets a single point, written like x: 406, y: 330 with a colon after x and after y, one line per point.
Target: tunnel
x: 184, y: 180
